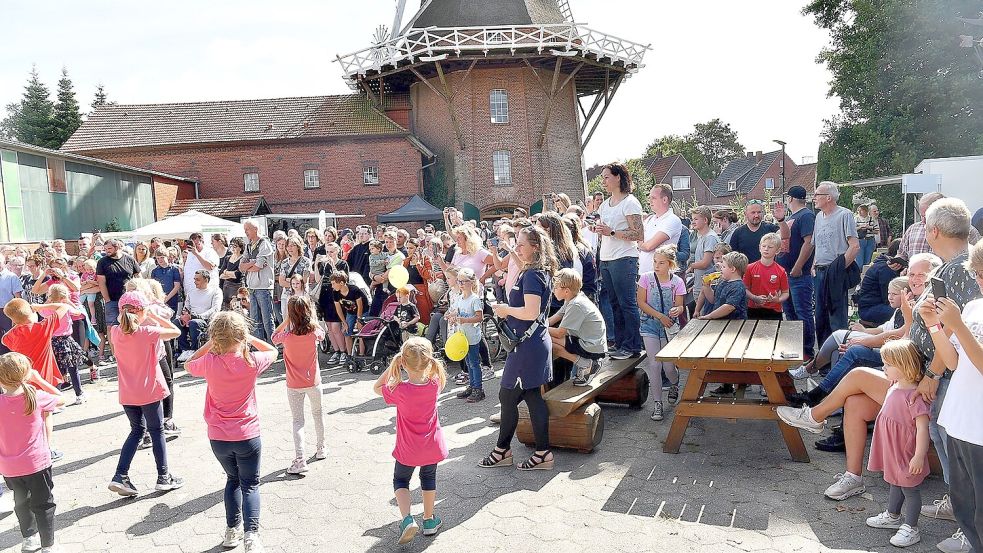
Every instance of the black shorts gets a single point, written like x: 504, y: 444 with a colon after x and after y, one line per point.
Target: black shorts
x: 572, y: 345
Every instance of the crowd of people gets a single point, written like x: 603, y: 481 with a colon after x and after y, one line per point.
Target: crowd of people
x: 565, y: 288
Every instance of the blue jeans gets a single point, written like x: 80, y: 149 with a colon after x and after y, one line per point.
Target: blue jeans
x: 261, y: 312
x: 190, y: 339
x: 829, y: 318
x: 604, y: 303
x: 878, y: 314
x: 143, y: 418
x: 112, y: 312
x: 854, y: 356
x: 800, y: 306
x: 938, y: 433
x: 867, y: 247
x: 620, y: 278
x: 473, y: 362
x: 240, y: 460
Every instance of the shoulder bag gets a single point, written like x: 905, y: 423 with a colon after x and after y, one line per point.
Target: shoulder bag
x: 671, y: 331
x: 508, y: 337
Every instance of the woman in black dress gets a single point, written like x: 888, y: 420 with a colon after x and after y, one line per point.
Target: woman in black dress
x: 324, y: 265
x: 229, y: 274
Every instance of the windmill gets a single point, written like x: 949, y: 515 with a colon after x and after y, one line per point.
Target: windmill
x: 507, y: 92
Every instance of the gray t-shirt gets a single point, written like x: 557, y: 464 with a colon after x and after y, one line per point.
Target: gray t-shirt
x: 260, y: 253
x: 704, y: 244
x: 831, y: 234
x: 581, y: 318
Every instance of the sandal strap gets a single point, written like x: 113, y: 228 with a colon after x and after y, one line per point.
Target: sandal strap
x: 536, y: 459
x: 496, y: 456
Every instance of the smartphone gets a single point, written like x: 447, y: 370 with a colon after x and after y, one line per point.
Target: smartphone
x: 938, y: 287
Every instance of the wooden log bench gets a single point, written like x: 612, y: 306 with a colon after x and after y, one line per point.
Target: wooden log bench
x: 576, y: 420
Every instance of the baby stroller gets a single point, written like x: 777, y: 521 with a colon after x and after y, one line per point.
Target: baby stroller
x: 380, y: 338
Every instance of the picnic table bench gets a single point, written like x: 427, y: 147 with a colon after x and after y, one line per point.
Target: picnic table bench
x: 576, y: 420
x: 735, y: 352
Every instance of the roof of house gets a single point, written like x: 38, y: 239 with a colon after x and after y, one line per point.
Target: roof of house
x: 745, y: 171
x: 804, y: 176
x: 233, y: 208
x: 467, y: 13
x: 30, y: 148
x: 136, y: 125
x: 659, y: 167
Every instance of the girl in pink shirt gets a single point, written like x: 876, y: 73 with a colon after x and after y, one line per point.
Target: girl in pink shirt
x: 25, y: 459
x: 300, y: 334
x: 232, y: 416
x: 137, y: 344
x: 68, y: 353
x: 419, y: 438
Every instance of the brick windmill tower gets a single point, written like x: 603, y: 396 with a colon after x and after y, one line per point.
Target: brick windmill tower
x: 507, y: 93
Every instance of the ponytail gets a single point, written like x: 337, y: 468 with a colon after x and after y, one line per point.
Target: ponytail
x: 435, y: 371
x: 128, y: 322
x: 393, y: 377
x: 30, y: 398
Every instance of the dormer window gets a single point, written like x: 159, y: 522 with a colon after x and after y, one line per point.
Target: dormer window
x: 732, y: 186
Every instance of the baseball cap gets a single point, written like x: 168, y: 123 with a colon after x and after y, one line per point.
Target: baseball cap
x: 134, y: 299
x: 797, y: 192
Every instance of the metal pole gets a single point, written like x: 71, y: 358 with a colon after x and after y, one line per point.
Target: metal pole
x: 783, y: 169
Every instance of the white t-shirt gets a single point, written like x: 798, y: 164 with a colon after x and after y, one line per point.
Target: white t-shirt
x: 669, y: 224
x: 192, y: 265
x: 616, y: 217
x: 962, y: 410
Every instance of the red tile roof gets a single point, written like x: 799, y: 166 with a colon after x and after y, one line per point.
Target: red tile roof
x: 129, y: 126
x: 804, y: 176
x: 659, y: 166
x: 227, y: 208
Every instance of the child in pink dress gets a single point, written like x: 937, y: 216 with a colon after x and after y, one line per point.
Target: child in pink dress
x: 419, y: 438
x: 899, y: 448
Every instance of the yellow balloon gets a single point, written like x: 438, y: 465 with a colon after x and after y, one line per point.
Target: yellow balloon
x: 456, y: 347
x: 398, y: 276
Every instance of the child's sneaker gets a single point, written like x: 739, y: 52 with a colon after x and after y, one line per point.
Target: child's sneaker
x: 233, y: 537
x: 461, y: 378
x: 33, y: 543
x: 408, y: 529
x: 51, y: 549
x: 167, y: 482
x: 431, y: 525
x: 333, y: 358
x: 56, y: 455
x: 906, y: 536
x: 79, y: 400
x: 321, y: 454
x: 299, y: 466
x: 657, y: 412
x: 93, y: 374
x: 477, y: 395
x: 487, y: 373
x: 673, y: 394
x: 253, y: 545
x: 123, y: 486
x: 886, y: 520
x: 171, y: 429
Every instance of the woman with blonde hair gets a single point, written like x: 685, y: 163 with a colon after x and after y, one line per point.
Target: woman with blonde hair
x: 141, y: 253
x: 232, y: 415
x: 469, y: 253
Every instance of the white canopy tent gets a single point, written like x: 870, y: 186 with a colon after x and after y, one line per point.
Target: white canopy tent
x: 179, y: 227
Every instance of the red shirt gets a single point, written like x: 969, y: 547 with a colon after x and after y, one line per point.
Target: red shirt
x: 34, y: 341
x: 761, y: 281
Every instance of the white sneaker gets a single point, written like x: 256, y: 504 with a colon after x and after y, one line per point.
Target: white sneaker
x: 52, y: 549
x: 233, y: 537
x: 846, y: 485
x: 800, y: 372
x: 185, y: 355
x: 487, y: 373
x: 299, y: 466
x: 940, y: 508
x: 906, y: 536
x: 253, y: 545
x: 800, y: 417
x: 657, y: 412
x: 886, y: 520
x: 31, y: 543
x: 79, y: 400
x: 955, y: 544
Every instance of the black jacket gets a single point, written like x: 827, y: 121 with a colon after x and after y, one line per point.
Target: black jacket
x: 840, y: 278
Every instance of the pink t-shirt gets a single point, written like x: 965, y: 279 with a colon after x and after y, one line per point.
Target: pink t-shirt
x: 74, y: 296
x: 475, y: 261
x: 23, y: 442
x: 140, y: 380
x: 231, y: 412
x: 419, y: 438
x: 300, y: 357
x: 64, y: 327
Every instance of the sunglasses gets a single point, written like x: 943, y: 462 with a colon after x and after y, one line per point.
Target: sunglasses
x: 755, y: 202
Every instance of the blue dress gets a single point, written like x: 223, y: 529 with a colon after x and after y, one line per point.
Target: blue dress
x: 530, y: 365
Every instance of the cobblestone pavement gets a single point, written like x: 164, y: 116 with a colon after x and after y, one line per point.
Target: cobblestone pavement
x: 733, y: 487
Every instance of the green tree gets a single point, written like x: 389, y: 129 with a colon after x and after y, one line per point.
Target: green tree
x: 436, y: 190
x: 640, y: 178
x: 907, y: 91
x: 67, y: 117
x: 32, y: 122
x: 8, y: 127
x: 708, y: 148
x: 101, y: 99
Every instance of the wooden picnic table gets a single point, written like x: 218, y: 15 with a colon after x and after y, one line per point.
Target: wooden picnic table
x: 736, y: 352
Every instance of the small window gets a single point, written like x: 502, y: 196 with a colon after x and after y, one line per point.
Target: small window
x: 370, y: 173
x: 312, y: 179
x: 496, y: 37
x: 502, y: 164
x: 732, y: 186
x: 769, y: 184
x: 499, y: 101
x: 680, y: 183
x: 251, y: 182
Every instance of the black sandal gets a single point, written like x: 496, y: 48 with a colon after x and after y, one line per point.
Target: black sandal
x: 538, y: 462
x: 497, y: 458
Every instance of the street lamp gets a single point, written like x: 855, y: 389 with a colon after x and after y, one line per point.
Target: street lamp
x: 782, y: 163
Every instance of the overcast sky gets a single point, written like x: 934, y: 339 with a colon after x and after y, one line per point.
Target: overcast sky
x: 752, y: 64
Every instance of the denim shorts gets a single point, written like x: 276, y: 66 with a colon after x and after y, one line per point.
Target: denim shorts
x: 350, y: 318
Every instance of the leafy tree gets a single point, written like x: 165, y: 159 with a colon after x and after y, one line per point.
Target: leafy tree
x: 708, y: 148
x: 8, y: 127
x: 32, y: 119
x: 907, y: 91
x: 67, y: 117
x: 436, y: 190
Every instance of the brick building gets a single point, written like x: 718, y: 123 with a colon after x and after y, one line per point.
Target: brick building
x: 758, y: 173
x: 302, y: 155
x: 687, y: 185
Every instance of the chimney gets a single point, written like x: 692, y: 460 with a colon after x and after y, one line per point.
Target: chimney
x: 750, y: 155
x: 757, y: 156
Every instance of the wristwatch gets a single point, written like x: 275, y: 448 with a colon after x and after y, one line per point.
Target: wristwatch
x: 931, y: 374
